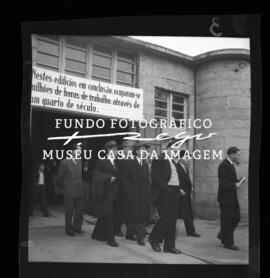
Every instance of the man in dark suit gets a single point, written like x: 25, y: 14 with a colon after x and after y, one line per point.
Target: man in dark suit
x: 124, y: 195
x: 39, y: 187
x: 69, y: 178
x: 165, y: 195
x: 185, y: 207
x: 137, y: 178
x: 227, y: 198
x: 105, y: 184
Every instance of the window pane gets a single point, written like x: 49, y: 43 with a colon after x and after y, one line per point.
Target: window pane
x: 124, y: 84
x: 101, y: 79
x: 48, y: 67
x: 178, y: 115
x: 179, y: 108
x: 47, y: 59
x: 162, y: 113
x: 75, y: 73
x: 126, y: 56
x: 125, y: 66
x: 74, y: 65
x: 48, y: 47
x: 161, y: 104
x: 161, y: 95
x: 75, y: 54
x: 178, y: 99
x: 76, y: 42
x: 102, y: 49
x: 101, y: 72
x: 126, y: 77
x: 51, y: 37
x: 102, y: 61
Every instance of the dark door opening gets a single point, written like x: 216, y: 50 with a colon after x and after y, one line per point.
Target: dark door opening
x: 43, y: 126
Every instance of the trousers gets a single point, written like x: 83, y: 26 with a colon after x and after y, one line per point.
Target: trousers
x: 165, y: 228
x: 73, y: 213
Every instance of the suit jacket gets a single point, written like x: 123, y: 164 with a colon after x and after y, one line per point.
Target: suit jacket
x: 125, y: 170
x: 104, y: 193
x: 69, y: 178
x: 227, y: 192
x: 137, y: 185
x: 185, y: 207
x: 160, y: 175
x: 185, y: 182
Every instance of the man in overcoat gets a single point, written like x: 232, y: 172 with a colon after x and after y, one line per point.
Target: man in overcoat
x: 124, y: 193
x: 165, y: 194
x: 105, y: 184
x: 69, y: 179
x: 136, y: 176
x: 227, y: 198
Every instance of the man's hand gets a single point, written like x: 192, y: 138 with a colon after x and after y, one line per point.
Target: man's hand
x: 238, y: 184
x: 183, y: 193
x: 112, y: 179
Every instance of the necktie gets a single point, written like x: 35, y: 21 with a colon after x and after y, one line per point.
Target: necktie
x: 184, y: 167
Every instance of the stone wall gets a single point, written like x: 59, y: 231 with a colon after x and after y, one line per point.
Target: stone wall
x: 155, y: 71
x: 223, y: 95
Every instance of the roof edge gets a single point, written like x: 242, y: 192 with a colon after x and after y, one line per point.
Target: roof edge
x: 234, y: 53
x: 156, y: 48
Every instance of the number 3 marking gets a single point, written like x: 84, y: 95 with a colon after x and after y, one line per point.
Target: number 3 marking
x: 215, y: 25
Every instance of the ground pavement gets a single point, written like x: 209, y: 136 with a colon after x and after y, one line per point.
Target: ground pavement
x: 48, y: 243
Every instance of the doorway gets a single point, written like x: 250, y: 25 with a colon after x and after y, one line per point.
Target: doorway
x: 43, y: 126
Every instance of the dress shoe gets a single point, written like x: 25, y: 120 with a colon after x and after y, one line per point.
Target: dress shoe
x: 70, y: 233
x: 194, y: 235
x: 131, y: 237
x: 154, y: 246
x: 113, y: 244
x: 79, y: 232
x: 231, y: 247
x: 141, y: 242
x: 119, y: 234
x: 172, y: 250
x: 219, y: 236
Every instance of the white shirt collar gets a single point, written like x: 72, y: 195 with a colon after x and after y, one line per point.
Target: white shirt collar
x: 111, y: 159
x: 74, y: 160
x: 229, y: 160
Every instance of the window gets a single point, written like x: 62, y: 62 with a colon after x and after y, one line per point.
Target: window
x: 75, y: 57
x: 102, y: 63
x: 48, y: 52
x: 161, y: 104
x: 79, y: 56
x: 125, y: 69
x: 169, y: 105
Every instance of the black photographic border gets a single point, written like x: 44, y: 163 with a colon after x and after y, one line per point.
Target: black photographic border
x: 173, y: 25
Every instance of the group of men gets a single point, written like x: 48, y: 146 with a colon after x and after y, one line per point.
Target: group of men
x: 123, y: 191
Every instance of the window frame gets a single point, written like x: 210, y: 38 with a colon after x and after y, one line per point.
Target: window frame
x: 90, y: 52
x: 65, y: 58
x: 170, y: 103
x: 134, y: 74
x: 59, y: 56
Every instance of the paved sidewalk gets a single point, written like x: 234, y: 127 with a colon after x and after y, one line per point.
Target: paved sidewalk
x: 48, y: 243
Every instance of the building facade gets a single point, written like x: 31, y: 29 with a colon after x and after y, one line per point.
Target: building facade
x: 213, y: 85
